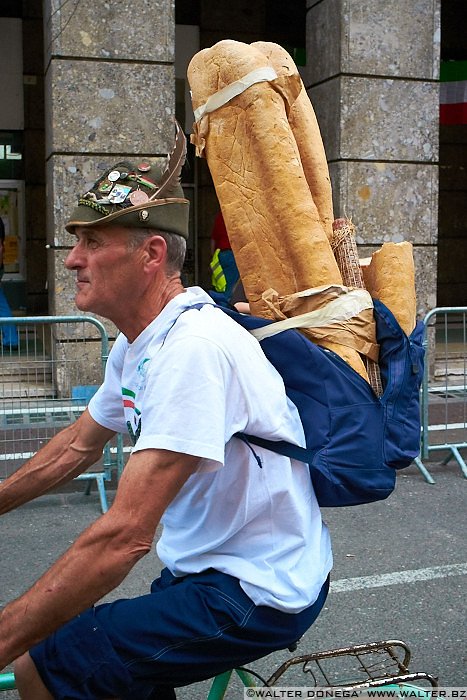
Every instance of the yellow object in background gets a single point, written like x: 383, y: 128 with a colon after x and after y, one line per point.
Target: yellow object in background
x: 10, y: 253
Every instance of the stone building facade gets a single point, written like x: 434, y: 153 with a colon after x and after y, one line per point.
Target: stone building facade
x: 102, y: 81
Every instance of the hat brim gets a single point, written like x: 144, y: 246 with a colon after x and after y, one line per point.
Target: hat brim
x: 170, y: 215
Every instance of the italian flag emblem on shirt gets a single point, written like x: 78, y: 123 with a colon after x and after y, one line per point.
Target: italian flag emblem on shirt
x: 453, y: 92
x: 128, y: 398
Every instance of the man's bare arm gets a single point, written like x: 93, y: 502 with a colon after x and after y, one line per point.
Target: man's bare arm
x: 102, y: 556
x: 66, y: 455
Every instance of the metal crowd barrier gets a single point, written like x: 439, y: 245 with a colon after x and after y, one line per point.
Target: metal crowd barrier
x: 42, y: 388
x: 46, y: 382
x: 444, y: 389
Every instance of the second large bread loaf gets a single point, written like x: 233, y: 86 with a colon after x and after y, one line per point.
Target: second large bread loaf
x: 305, y: 128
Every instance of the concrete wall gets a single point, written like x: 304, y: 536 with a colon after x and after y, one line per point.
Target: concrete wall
x: 371, y: 74
x: 109, y: 86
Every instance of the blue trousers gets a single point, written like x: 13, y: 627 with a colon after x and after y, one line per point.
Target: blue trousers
x: 185, y: 630
x: 9, y: 332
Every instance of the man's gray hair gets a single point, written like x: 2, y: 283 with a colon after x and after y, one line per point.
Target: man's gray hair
x: 176, y: 245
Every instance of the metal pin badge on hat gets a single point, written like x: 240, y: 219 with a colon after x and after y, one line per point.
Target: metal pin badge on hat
x: 105, y: 186
x: 119, y: 194
x: 144, y: 166
x: 144, y: 215
x: 138, y: 197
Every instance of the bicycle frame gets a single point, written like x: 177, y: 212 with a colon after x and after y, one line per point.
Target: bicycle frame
x: 7, y: 681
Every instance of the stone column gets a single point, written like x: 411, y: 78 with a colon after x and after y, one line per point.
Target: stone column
x: 109, y: 95
x: 372, y: 70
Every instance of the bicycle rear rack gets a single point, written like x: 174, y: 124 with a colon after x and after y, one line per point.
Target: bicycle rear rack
x: 359, y: 666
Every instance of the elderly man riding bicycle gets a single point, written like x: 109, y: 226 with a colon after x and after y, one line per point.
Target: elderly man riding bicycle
x: 246, y: 553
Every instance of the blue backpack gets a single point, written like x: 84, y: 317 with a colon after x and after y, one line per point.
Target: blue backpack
x: 355, y: 441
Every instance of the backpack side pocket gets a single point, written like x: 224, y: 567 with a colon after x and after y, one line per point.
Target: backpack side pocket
x: 401, y: 365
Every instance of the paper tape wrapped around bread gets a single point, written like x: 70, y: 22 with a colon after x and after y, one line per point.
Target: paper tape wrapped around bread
x: 279, y: 243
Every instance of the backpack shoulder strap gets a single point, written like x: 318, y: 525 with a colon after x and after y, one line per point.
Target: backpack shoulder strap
x: 281, y: 447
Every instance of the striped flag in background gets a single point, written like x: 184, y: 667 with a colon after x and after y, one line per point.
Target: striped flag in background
x: 453, y: 92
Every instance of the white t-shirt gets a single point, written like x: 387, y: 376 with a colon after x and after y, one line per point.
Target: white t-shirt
x: 187, y: 383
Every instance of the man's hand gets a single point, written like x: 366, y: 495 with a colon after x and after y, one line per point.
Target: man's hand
x: 242, y: 307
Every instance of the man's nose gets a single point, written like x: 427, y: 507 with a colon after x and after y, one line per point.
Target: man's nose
x: 72, y: 260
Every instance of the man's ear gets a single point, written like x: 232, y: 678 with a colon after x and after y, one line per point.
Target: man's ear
x: 155, y: 250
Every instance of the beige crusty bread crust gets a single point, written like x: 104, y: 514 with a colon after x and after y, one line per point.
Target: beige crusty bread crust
x: 390, y: 277
x: 305, y: 128
x: 273, y: 223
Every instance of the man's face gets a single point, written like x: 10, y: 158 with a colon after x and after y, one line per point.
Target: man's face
x: 106, y: 270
